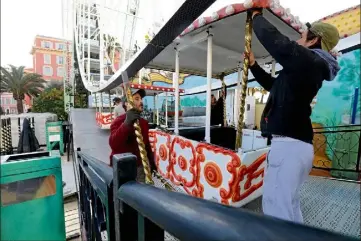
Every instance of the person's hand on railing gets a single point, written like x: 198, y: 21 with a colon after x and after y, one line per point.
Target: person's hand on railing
x: 132, y: 115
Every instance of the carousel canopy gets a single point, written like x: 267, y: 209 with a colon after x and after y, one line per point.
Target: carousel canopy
x: 228, y: 28
x: 347, y: 21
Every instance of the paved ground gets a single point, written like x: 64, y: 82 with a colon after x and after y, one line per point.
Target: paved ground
x: 328, y: 204
x: 88, y: 136
x: 68, y: 177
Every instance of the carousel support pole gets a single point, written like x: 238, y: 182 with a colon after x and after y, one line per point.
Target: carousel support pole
x: 101, y: 102
x: 140, y: 76
x: 157, y: 109
x: 154, y: 107
x: 273, y: 71
x: 224, y: 100
x: 138, y: 133
x: 96, y: 102
x: 110, y: 107
x: 209, y: 87
x: 176, y: 86
x: 237, y: 94
x: 166, y: 109
x: 248, y: 41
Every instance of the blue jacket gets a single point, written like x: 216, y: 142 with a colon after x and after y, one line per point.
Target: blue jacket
x: 288, y: 108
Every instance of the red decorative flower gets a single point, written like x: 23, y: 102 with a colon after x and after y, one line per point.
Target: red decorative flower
x: 213, y: 174
x: 163, y: 152
x: 182, y: 162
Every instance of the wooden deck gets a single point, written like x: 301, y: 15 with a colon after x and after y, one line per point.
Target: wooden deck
x: 72, y: 226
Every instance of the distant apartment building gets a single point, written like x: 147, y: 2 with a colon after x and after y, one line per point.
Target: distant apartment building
x: 8, y: 103
x: 51, y: 57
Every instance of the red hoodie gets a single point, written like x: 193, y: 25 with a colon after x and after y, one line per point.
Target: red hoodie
x: 122, y: 139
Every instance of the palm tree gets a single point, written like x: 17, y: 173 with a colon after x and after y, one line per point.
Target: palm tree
x: 20, y: 84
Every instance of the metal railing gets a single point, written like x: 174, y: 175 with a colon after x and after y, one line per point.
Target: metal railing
x: 6, y: 141
x: 6, y: 146
x: 113, y: 206
x: 337, y: 149
x: 96, y: 209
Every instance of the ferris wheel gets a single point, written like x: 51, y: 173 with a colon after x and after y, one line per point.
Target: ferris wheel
x: 103, y: 37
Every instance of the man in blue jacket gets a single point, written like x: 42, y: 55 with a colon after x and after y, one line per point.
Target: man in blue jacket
x: 286, y: 117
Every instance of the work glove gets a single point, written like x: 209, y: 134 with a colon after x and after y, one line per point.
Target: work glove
x: 131, y: 116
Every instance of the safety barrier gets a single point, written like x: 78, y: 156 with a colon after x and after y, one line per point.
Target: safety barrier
x: 96, y: 209
x: 338, y: 150
x: 113, y: 204
x: 6, y: 147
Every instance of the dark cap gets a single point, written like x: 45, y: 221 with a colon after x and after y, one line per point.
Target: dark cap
x: 116, y: 100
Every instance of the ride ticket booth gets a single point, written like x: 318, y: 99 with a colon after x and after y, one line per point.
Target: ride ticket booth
x: 32, y: 197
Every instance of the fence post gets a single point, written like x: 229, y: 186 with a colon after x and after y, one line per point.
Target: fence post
x: 19, y: 127
x: 125, y: 218
x: 354, y: 106
x: 3, y: 142
x: 9, y: 140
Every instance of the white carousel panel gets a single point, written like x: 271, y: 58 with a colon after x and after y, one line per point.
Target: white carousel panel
x: 249, y: 184
x: 228, y: 40
x: 208, y: 171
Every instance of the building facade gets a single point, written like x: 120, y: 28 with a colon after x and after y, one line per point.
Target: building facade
x: 51, y: 57
x: 8, y: 103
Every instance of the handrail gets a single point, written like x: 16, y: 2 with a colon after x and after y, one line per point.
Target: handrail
x: 146, y: 212
x: 102, y: 169
x: 95, y: 197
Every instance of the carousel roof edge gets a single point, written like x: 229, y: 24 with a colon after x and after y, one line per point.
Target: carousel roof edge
x: 236, y: 8
x: 339, y: 13
x: 346, y: 21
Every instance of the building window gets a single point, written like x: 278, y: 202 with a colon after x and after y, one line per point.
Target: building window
x: 7, y: 101
x: 60, y: 72
x: 59, y: 46
x: 59, y: 59
x: 47, y: 59
x: 47, y: 71
x: 13, y: 101
x: 46, y: 44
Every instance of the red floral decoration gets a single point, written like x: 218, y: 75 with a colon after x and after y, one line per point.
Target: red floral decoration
x: 213, y: 174
x: 182, y: 163
x: 163, y: 152
x: 250, y: 173
x: 178, y: 179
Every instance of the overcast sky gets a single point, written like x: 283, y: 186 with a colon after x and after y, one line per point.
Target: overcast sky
x: 21, y: 20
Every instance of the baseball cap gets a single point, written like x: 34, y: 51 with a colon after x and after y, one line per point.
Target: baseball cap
x: 141, y: 92
x: 328, y: 33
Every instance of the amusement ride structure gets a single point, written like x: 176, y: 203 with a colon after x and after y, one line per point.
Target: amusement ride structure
x: 223, y: 164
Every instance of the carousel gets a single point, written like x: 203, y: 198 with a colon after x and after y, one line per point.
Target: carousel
x: 221, y: 163
x: 104, y: 108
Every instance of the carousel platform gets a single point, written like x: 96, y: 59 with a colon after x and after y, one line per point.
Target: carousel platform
x: 326, y: 203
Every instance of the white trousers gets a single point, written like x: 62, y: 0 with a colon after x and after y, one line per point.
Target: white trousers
x: 289, y: 164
